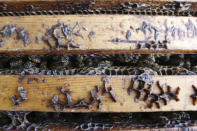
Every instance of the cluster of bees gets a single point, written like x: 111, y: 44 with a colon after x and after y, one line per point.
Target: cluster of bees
x: 147, y: 94
x: 37, y: 120
x: 168, y: 8
x: 8, y: 31
x: 96, y: 96
x: 108, y: 62
x: 63, y: 33
x: 95, y: 64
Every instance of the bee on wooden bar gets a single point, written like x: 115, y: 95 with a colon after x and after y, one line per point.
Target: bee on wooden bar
x: 24, y: 35
x: 1, y: 43
x: 82, y: 103
x: 165, y: 93
x: 194, y: 96
x: 96, y: 96
x: 92, y: 33
x: 22, y: 96
x: 44, y: 80
x: 8, y: 31
x: 32, y: 79
x: 21, y: 78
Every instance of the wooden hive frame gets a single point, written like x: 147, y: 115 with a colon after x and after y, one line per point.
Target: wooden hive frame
x: 101, y: 34
x: 98, y: 34
x: 45, y: 88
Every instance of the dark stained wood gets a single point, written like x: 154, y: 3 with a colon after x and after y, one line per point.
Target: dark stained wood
x: 63, y: 128
x: 76, y: 5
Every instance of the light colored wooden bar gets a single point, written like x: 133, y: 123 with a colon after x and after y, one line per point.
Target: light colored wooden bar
x: 40, y: 94
x: 106, y: 28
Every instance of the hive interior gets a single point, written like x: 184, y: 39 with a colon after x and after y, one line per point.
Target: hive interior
x: 97, y: 64
x: 101, y: 64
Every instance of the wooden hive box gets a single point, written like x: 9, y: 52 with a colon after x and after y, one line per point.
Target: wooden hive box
x: 98, y: 27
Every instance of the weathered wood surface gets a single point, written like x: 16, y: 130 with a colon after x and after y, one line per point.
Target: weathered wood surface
x: 40, y: 94
x: 104, y: 33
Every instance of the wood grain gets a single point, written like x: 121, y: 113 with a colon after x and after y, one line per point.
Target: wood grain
x: 182, y: 35
x: 40, y: 94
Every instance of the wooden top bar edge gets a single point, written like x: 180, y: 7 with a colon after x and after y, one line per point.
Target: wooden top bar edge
x: 99, y: 33
x: 41, y: 90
